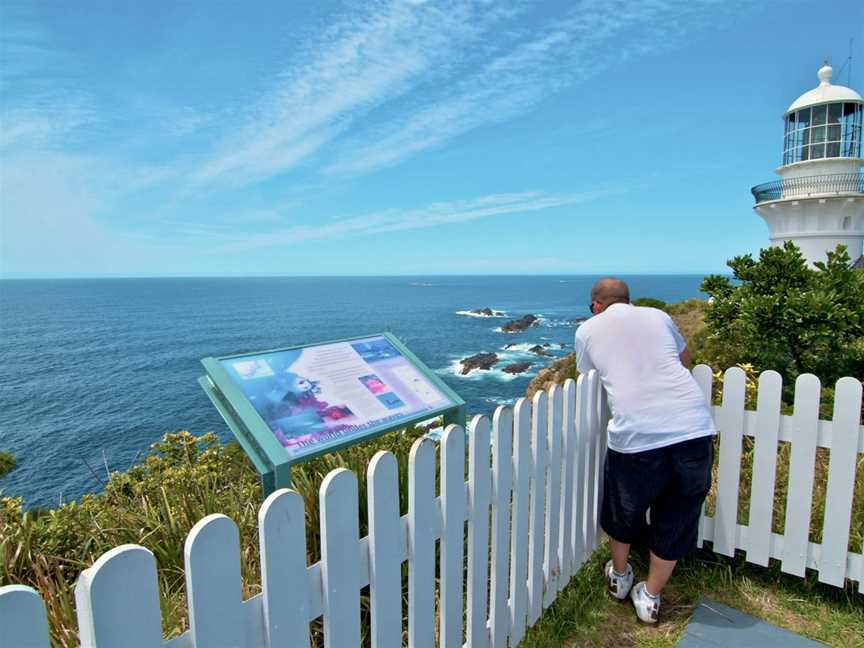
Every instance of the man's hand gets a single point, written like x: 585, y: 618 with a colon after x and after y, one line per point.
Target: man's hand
x: 685, y: 358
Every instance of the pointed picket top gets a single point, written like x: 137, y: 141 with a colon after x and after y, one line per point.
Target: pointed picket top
x: 118, y: 600
x: 213, y: 583
x: 22, y: 618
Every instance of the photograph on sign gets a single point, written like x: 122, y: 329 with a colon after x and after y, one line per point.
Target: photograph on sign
x: 312, y: 396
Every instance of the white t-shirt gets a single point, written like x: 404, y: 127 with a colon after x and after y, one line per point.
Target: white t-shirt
x: 654, y: 399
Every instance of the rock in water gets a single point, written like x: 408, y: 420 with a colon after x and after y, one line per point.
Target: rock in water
x: 483, y: 361
x: 514, y: 326
x: 518, y: 367
x: 538, y: 350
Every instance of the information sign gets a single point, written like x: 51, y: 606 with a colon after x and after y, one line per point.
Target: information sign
x: 287, y: 405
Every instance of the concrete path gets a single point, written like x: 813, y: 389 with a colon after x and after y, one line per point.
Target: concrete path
x: 715, y: 625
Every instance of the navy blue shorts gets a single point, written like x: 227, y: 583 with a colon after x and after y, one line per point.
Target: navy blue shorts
x: 672, y: 481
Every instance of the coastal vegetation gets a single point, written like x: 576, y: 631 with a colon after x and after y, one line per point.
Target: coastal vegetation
x: 155, y: 504
x: 7, y: 463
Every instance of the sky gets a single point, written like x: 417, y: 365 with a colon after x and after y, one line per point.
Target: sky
x: 405, y: 137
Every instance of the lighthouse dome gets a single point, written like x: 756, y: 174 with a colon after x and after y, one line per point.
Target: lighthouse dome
x: 824, y: 122
x: 825, y: 92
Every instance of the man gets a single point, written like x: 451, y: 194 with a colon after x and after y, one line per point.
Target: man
x: 660, y: 446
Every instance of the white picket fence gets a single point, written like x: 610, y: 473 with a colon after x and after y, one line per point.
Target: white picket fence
x: 531, y: 515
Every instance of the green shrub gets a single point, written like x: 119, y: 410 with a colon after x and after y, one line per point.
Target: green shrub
x: 780, y: 314
x: 650, y: 301
x: 7, y: 463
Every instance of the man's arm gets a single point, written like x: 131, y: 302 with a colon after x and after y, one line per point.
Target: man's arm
x: 685, y: 358
x: 583, y: 362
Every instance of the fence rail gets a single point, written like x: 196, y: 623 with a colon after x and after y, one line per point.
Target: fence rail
x: 531, y: 507
x: 804, y: 187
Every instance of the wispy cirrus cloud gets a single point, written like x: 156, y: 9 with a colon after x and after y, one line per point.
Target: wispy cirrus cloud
x: 572, y: 48
x: 393, y: 220
x: 392, y: 79
x: 39, y: 107
x: 370, y: 57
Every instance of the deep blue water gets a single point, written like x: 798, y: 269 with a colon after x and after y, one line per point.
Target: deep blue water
x: 94, y: 371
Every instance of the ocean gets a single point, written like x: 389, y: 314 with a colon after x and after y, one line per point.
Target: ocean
x: 94, y: 371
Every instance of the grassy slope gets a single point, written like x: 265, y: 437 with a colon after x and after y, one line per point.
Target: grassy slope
x: 585, y: 616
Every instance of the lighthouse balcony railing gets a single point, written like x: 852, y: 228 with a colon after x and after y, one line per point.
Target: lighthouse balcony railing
x: 809, y: 186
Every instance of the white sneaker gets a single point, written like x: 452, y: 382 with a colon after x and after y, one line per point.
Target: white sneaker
x: 619, y: 586
x: 647, y: 606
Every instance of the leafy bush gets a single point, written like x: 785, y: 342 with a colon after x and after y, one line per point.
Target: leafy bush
x: 780, y: 314
x: 7, y: 463
x: 650, y: 301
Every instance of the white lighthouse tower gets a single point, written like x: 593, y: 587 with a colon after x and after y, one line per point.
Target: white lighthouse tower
x: 819, y: 202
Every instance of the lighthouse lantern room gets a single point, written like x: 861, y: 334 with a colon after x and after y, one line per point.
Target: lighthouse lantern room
x: 819, y: 201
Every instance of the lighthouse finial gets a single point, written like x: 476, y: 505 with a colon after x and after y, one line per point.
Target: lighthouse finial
x: 825, y: 73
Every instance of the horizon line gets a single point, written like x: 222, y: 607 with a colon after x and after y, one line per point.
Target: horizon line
x: 356, y: 276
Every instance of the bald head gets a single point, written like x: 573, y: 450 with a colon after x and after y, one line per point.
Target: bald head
x: 610, y: 291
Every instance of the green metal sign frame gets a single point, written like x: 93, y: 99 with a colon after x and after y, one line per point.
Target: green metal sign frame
x: 256, y: 438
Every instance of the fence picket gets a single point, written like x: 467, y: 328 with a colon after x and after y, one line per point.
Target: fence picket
x: 520, y: 524
x: 340, y: 558
x: 118, y: 600
x: 602, y: 441
x: 385, y: 533
x: 731, y: 426
x: 704, y: 378
x: 23, y: 622
x: 502, y: 482
x: 581, y: 472
x: 538, y: 507
x: 764, y: 467
x: 422, y: 527
x: 479, y: 486
x: 592, y: 471
x: 551, y: 566
x: 212, y: 553
x: 841, y: 481
x: 282, y: 537
x: 799, y: 498
x: 452, y: 534
x: 568, y: 453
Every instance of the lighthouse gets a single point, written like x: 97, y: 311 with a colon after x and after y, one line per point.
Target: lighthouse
x: 818, y: 203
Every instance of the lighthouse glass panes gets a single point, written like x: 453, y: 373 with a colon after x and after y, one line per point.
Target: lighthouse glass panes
x: 825, y: 131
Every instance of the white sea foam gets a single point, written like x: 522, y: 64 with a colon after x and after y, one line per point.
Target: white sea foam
x: 495, y: 373
x: 495, y: 313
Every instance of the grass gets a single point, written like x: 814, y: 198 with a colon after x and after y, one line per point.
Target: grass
x: 7, y: 463
x: 583, y: 615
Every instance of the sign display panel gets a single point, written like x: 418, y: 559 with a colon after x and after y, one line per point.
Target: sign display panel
x: 318, y: 396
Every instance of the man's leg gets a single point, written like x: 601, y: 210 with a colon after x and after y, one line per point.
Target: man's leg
x: 659, y: 572
x: 620, y: 552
